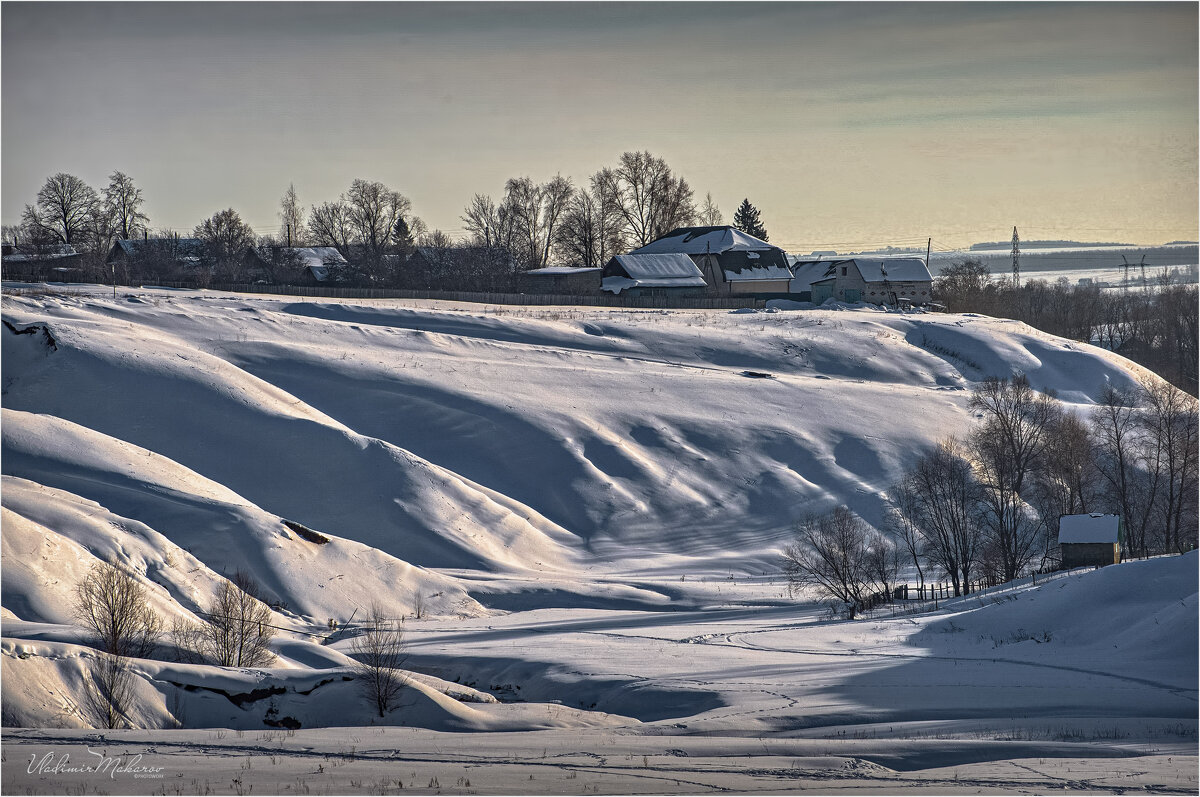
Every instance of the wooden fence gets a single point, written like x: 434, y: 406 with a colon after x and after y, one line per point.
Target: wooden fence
x: 476, y: 297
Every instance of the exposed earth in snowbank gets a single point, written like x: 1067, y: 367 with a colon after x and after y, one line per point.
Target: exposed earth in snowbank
x: 589, y: 504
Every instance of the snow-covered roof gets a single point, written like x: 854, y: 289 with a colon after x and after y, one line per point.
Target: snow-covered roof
x: 651, y: 271
x: 305, y: 255
x: 702, y: 240
x: 893, y: 269
x: 654, y: 267
x: 183, y: 248
x: 38, y: 251
x: 553, y: 270
x: 804, y: 274
x: 753, y: 266
x: 1089, y: 528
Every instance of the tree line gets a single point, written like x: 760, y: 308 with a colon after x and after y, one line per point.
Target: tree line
x: 1156, y: 326
x: 374, y: 228
x: 986, y: 508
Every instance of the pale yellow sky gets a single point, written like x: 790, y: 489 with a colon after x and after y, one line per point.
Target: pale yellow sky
x: 847, y: 124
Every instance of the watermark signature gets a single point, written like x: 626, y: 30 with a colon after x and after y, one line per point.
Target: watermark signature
x: 50, y: 764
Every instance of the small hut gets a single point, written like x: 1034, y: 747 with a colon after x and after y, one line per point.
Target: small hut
x: 1092, y: 540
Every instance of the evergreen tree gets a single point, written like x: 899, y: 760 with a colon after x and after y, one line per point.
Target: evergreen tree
x: 746, y: 219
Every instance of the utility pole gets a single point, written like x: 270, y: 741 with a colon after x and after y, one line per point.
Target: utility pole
x: 1016, y: 253
x: 928, y: 246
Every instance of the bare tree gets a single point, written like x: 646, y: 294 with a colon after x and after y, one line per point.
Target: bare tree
x: 65, y: 209
x: 1067, y: 481
x: 902, y: 517
x: 291, y: 217
x: 591, y: 229
x: 830, y: 553
x: 122, y: 206
x: 883, y: 564
x: 1008, y: 448
x: 1170, y: 422
x: 943, y: 494
x: 1127, y: 488
x: 225, y: 236
x: 113, y: 607
x: 482, y: 221
x: 329, y: 225
x: 373, y: 212
x: 379, y: 654
x: 237, y: 631
x: 651, y: 199
x: 710, y: 214
x: 534, y: 211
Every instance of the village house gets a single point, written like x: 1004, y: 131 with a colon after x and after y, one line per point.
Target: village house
x: 54, y: 261
x: 889, y: 281
x: 159, y: 255
x: 1090, y: 540
x: 673, y: 274
x: 303, y: 265
x: 733, y: 263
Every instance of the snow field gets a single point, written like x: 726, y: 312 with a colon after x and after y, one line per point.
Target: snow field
x: 590, y: 504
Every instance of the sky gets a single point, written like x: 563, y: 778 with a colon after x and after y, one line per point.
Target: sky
x: 849, y: 125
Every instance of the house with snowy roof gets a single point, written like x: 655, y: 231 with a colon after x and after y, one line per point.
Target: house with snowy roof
x: 896, y: 280
x: 1092, y: 540
x: 312, y: 265
x: 668, y: 274
x: 177, y: 253
x: 733, y: 263
x: 54, y: 260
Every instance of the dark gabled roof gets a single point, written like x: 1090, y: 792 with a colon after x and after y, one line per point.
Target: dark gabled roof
x: 181, y: 248
x: 35, y: 252
x: 706, y: 240
x: 740, y: 264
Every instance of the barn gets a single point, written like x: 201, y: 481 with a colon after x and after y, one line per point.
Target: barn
x: 671, y: 274
x: 732, y: 262
x: 897, y: 280
x: 1091, y: 540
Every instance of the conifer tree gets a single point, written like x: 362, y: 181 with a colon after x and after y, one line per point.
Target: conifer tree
x: 746, y: 219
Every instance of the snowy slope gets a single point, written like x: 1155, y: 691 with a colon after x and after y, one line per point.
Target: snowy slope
x: 472, y: 459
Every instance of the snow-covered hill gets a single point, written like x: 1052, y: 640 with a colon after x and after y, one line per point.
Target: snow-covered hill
x: 601, y: 463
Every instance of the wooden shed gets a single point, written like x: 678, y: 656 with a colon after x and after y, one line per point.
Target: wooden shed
x: 1092, y: 540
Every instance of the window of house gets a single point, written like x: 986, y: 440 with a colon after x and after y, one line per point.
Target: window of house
x: 844, y: 270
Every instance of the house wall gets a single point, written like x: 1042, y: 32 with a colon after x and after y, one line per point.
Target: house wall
x: 714, y: 275
x: 1086, y: 554
x: 821, y: 292
x: 874, y: 292
x: 919, y: 292
x: 751, y: 287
